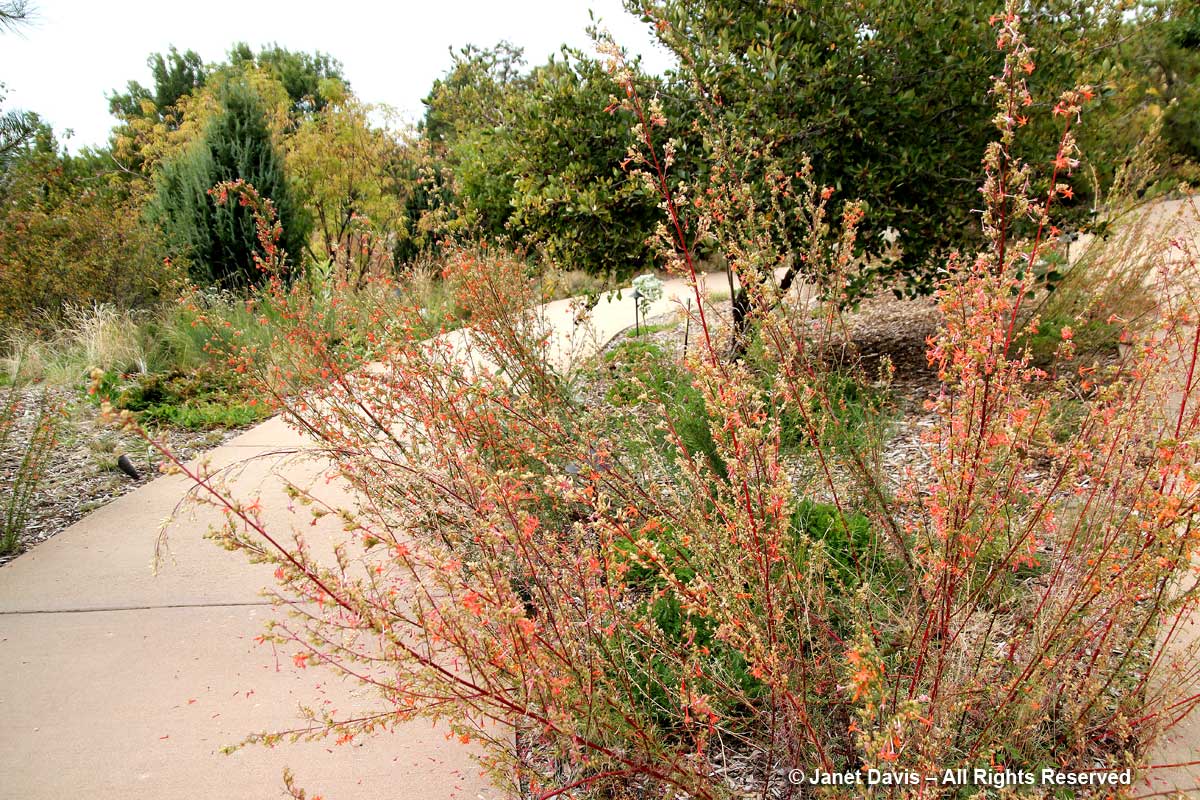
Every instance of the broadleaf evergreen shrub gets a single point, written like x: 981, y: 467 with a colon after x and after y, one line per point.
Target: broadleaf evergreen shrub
x: 890, y: 103
x: 537, y: 158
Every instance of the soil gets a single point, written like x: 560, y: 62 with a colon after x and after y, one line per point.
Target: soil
x: 81, y: 473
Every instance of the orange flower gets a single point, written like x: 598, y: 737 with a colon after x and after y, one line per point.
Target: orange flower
x: 473, y: 603
x: 891, y: 750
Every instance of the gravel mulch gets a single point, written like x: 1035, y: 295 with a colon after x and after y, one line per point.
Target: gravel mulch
x: 81, y: 473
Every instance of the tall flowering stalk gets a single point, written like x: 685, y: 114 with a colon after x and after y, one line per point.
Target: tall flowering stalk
x: 647, y: 598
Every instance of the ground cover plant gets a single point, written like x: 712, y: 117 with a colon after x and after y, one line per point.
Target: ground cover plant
x: 705, y: 580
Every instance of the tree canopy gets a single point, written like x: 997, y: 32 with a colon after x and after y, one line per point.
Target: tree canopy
x: 175, y: 75
x: 536, y: 156
x: 891, y: 105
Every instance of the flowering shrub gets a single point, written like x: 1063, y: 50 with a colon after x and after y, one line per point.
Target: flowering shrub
x: 611, y: 606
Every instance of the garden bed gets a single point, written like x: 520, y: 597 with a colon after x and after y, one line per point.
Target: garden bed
x: 80, y: 470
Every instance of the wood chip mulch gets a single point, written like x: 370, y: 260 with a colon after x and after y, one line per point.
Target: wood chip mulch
x: 81, y: 473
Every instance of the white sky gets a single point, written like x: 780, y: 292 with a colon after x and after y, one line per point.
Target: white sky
x: 76, y: 51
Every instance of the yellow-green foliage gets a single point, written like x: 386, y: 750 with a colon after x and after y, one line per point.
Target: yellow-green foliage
x: 337, y: 160
x: 67, y: 238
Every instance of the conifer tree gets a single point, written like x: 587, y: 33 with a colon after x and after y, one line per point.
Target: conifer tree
x: 218, y: 242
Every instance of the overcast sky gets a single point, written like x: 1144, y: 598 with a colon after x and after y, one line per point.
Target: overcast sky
x: 76, y: 51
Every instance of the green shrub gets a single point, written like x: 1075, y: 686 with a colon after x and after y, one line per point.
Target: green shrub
x: 537, y: 156
x: 572, y: 199
x: 221, y: 412
x: 643, y: 371
x: 70, y: 238
x: 851, y: 85
x: 850, y: 545
x: 656, y: 677
x: 219, y: 241
x: 195, y: 400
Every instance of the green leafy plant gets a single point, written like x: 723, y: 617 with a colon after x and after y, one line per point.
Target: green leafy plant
x: 343, y: 170
x: 851, y: 83
x: 193, y: 400
x: 535, y: 157
x: 645, y: 378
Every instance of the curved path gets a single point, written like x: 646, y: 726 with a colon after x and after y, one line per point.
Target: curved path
x: 119, y: 683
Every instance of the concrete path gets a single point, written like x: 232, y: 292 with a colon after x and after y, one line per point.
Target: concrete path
x: 1176, y: 753
x: 119, y: 683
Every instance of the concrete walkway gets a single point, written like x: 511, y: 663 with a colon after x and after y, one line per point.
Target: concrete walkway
x: 119, y: 683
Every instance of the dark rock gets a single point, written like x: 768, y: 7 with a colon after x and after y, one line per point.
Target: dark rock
x: 126, y: 466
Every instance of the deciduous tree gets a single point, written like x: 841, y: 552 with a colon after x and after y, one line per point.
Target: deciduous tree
x: 339, y: 162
